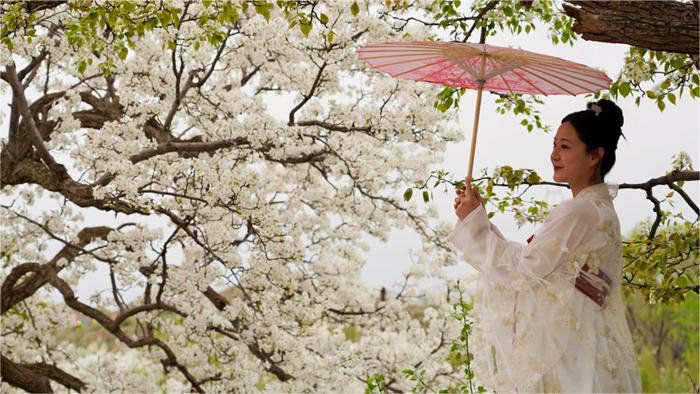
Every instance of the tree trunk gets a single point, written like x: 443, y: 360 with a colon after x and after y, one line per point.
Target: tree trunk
x: 670, y: 26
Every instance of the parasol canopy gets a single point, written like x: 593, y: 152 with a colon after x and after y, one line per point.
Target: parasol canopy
x: 482, y: 66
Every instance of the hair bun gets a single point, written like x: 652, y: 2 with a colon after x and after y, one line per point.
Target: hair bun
x: 609, y: 111
x: 599, y: 126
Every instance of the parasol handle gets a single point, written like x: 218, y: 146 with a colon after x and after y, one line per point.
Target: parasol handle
x: 475, y: 128
x: 480, y: 83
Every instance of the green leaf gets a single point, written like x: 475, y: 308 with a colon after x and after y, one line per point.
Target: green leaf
x: 82, y: 65
x: 426, y: 196
x: 660, y: 104
x: 533, y: 178
x: 8, y: 42
x: 263, y: 10
x: 330, y: 37
x: 305, y: 28
x: 624, y: 89
x: 354, y: 8
x: 324, y: 19
x: 407, y: 194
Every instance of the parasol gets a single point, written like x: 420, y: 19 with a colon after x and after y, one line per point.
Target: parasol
x: 482, y: 66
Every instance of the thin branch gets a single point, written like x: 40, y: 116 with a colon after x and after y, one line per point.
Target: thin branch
x: 333, y: 127
x: 657, y: 209
x: 206, y: 76
x: 686, y: 197
x: 308, y: 96
x: 10, y: 75
x: 491, y: 4
x: 187, y: 147
x: 33, y: 65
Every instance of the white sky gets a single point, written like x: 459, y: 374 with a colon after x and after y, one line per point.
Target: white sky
x: 652, y: 138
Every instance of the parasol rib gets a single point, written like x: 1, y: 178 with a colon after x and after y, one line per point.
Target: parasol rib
x: 539, y: 67
x: 498, y: 70
x: 462, y: 63
x: 507, y: 84
x: 535, y: 72
x: 407, y: 50
x: 530, y: 83
x: 423, y: 78
x: 404, y: 62
x: 559, y: 66
x: 549, y: 81
x: 419, y: 67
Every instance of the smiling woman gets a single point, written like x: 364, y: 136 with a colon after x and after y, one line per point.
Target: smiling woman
x: 549, y: 315
x: 585, y: 144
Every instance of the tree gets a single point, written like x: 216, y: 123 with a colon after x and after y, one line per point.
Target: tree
x: 157, y: 121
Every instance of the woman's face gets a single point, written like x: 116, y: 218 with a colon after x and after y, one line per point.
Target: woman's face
x: 570, y: 159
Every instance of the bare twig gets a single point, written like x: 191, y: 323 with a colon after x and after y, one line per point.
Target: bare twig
x: 308, y: 96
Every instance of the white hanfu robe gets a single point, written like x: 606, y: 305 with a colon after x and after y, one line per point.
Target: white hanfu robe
x: 534, y: 331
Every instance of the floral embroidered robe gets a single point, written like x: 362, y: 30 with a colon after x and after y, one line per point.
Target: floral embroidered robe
x: 534, y: 331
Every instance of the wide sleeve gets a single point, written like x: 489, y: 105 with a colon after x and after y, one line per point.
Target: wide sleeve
x: 526, y: 309
x: 513, y: 264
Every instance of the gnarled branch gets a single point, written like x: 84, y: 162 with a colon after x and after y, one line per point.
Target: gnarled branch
x: 670, y: 26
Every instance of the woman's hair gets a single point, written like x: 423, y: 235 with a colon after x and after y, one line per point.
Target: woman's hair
x: 600, y: 125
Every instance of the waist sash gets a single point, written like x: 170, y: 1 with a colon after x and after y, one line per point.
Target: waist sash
x: 595, y: 285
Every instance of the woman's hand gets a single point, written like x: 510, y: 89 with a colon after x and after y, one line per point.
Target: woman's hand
x: 467, y: 200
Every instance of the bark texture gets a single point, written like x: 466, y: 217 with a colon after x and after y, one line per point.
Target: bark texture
x: 670, y: 26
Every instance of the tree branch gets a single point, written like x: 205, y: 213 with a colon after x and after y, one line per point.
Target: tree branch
x: 187, y: 147
x: 669, y: 26
x: 10, y: 75
x: 34, y: 378
x: 11, y: 294
x: 72, y: 301
x: 333, y: 127
x: 308, y: 96
x: 686, y: 197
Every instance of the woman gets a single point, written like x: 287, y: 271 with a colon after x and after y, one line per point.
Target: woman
x: 549, y: 315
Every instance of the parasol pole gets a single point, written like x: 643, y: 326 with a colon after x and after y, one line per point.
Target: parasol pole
x: 475, y: 127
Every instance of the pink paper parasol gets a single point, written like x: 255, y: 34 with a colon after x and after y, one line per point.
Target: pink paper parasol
x: 481, y: 66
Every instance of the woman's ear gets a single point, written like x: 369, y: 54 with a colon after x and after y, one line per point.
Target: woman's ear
x: 597, y: 155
